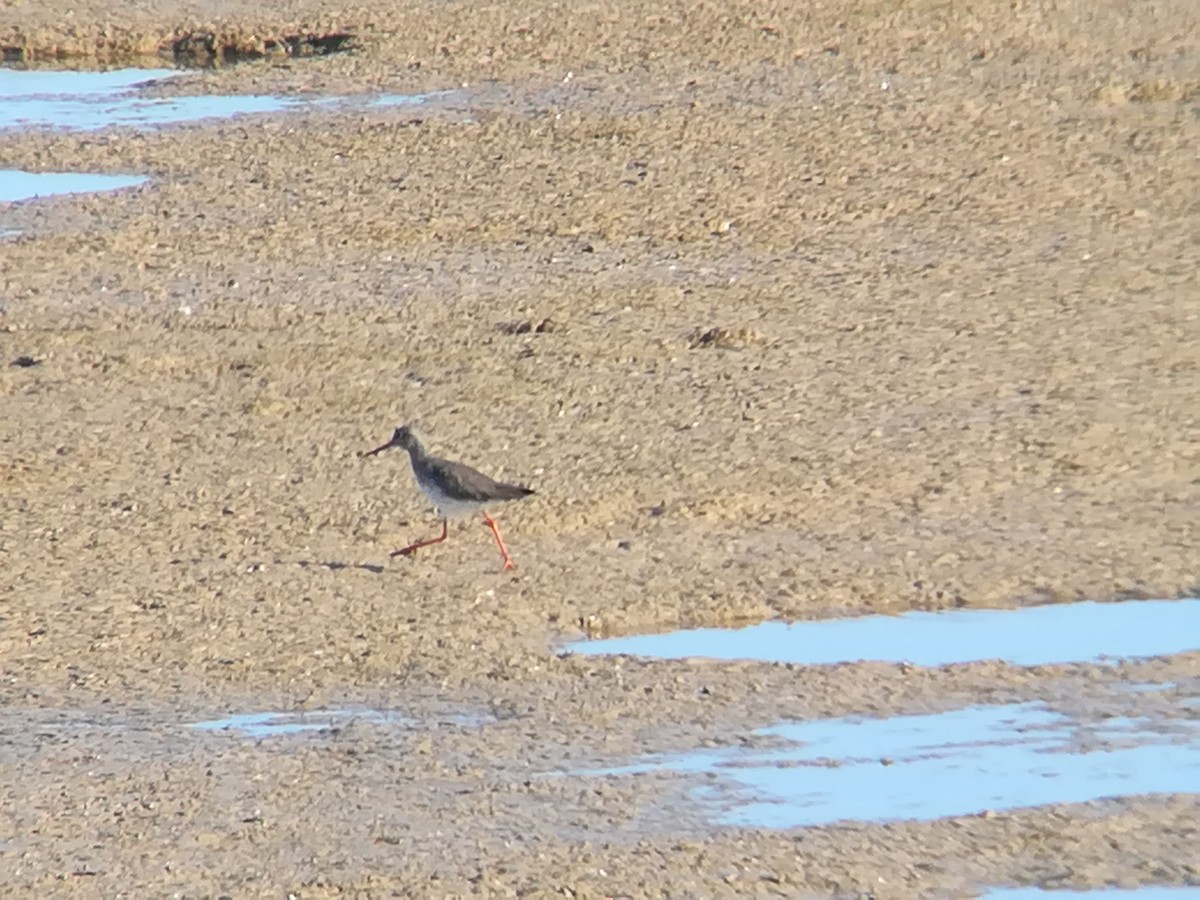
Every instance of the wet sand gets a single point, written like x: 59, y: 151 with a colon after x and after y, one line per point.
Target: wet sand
x: 846, y: 308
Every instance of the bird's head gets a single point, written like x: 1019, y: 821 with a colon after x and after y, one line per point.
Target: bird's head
x: 402, y: 437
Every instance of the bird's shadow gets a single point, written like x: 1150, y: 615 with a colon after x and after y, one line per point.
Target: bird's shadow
x: 335, y: 566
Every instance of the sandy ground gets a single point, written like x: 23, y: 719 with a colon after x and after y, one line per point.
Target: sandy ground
x: 847, y: 307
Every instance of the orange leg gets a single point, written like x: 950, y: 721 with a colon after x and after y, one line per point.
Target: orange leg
x: 413, y: 548
x: 491, y: 523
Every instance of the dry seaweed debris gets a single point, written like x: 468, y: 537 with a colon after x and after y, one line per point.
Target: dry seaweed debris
x: 208, y: 47
x: 528, y: 326
x: 724, y: 338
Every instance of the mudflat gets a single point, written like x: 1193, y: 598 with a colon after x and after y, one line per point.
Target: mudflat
x: 784, y: 310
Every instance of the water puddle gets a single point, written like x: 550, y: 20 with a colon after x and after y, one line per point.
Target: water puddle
x: 86, y: 101
x: 17, y: 185
x: 1150, y: 687
x: 1036, y: 635
x: 278, y: 724
x: 929, y: 766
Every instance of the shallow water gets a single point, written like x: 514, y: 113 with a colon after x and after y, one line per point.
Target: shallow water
x: 276, y: 724
x: 86, y: 101
x: 18, y: 185
x: 1036, y: 635
x: 928, y: 766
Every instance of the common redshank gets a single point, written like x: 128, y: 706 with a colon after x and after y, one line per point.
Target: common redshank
x: 453, y: 488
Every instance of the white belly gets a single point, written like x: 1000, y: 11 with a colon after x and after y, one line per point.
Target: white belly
x: 448, y: 507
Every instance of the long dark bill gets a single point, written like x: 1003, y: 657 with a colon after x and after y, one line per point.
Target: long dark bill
x: 388, y: 446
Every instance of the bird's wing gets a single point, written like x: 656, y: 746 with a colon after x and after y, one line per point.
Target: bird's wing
x: 461, y: 482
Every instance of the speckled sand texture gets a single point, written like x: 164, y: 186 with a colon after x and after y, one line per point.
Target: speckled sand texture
x: 784, y: 309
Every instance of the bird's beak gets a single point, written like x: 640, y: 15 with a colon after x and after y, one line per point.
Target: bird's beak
x: 386, y: 446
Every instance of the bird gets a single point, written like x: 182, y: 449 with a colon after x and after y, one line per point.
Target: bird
x: 454, y: 488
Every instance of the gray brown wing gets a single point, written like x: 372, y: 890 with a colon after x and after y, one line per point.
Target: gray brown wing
x: 461, y: 482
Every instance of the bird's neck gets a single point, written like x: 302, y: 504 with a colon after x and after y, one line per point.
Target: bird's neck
x: 416, y: 454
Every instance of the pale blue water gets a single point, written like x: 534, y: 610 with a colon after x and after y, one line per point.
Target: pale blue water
x: 16, y: 82
x: 18, y: 185
x: 947, y: 764
x: 1061, y: 633
x: 85, y: 101
x: 276, y: 724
